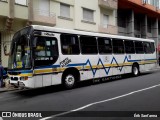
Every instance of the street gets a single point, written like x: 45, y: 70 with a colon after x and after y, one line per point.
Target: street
x: 138, y: 95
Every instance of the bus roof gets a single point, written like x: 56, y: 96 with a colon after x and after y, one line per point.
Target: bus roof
x: 69, y: 31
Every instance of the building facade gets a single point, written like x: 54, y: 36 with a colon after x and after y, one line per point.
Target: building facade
x: 139, y: 18
x: 86, y: 15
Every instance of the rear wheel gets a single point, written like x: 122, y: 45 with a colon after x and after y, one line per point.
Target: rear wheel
x: 69, y: 81
x: 135, y: 70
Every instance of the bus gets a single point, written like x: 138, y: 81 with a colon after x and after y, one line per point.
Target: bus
x: 42, y: 56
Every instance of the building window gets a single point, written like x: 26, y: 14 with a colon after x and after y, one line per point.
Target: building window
x: 105, y: 20
x: 137, y: 23
x: 4, y: 0
x: 65, y: 10
x: 122, y: 20
x: 88, y: 15
x: 21, y: 2
x: 44, y: 8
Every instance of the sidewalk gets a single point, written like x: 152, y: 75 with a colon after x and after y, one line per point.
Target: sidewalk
x: 7, y: 87
x: 4, y: 89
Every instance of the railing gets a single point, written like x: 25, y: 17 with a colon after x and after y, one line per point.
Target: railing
x: 107, y: 28
x: 44, y: 13
x: 45, y: 17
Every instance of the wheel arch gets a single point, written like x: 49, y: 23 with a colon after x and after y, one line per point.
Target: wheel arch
x: 135, y: 64
x: 73, y: 71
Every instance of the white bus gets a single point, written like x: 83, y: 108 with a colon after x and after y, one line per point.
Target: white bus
x: 43, y: 56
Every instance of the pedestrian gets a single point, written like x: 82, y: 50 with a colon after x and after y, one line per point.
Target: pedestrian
x: 1, y: 75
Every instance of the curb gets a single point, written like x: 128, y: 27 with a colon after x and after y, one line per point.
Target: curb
x: 8, y: 89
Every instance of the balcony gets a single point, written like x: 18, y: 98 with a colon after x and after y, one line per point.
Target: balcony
x: 43, y: 17
x: 4, y: 12
x: 109, y: 29
x: 111, y: 4
x: 21, y: 15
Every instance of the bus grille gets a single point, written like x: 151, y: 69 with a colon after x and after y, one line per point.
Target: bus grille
x: 14, y: 78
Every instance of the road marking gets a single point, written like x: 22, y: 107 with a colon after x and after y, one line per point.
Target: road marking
x: 94, y: 103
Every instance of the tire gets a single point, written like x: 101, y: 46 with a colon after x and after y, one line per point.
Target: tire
x: 69, y: 81
x: 135, y: 70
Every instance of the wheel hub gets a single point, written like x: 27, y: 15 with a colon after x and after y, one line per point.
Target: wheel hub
x: 69, y: 80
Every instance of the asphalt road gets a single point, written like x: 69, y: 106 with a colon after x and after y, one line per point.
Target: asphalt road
x: 112, y: 100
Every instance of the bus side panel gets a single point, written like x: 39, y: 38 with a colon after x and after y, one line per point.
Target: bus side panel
x: 150, y: 61
x: 140, y: 58
x: 47, y: 80
x: 38, y: 81
x: 74, y: 61
x: 56, y: 79
x: 30, y: 82
x: 117, y: 64
x: 85, y: 64
x: 130, y: 59
x: 92, y: 66
x: 105, y: 69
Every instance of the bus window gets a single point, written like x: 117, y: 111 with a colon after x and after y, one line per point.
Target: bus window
x: 129, y: 47
x: 104, y: 46
x: 88, y: 45
x: 147, y: 47
x: 118, y: 46
x: 152, y: 47
x: 45, y: 50
x: 69, y: 44
x: 139, y: 47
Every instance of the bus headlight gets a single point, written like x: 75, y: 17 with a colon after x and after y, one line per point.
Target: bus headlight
x: 24, y: 78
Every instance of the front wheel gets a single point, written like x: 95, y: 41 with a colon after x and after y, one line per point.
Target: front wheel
x: 69, y: 81
x: 135, y: 70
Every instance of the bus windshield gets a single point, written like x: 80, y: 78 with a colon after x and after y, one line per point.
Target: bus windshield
x: 20, y: 53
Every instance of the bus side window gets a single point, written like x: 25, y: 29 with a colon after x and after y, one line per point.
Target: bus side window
x: 147, y: 47
x: 152, y: 47
x: 118, y: 46
x: 45, y: 50
x: 104, y: 46
x: 139, y: 47
x: 88, y: 45
x: 129, y: 47
x: 69, y: 44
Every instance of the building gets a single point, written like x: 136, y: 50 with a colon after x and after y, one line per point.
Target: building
x: 139, y: 18
x: 86, y: 15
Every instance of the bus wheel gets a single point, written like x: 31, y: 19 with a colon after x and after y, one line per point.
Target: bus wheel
x: 69, y: 81
x: 135, y: 70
